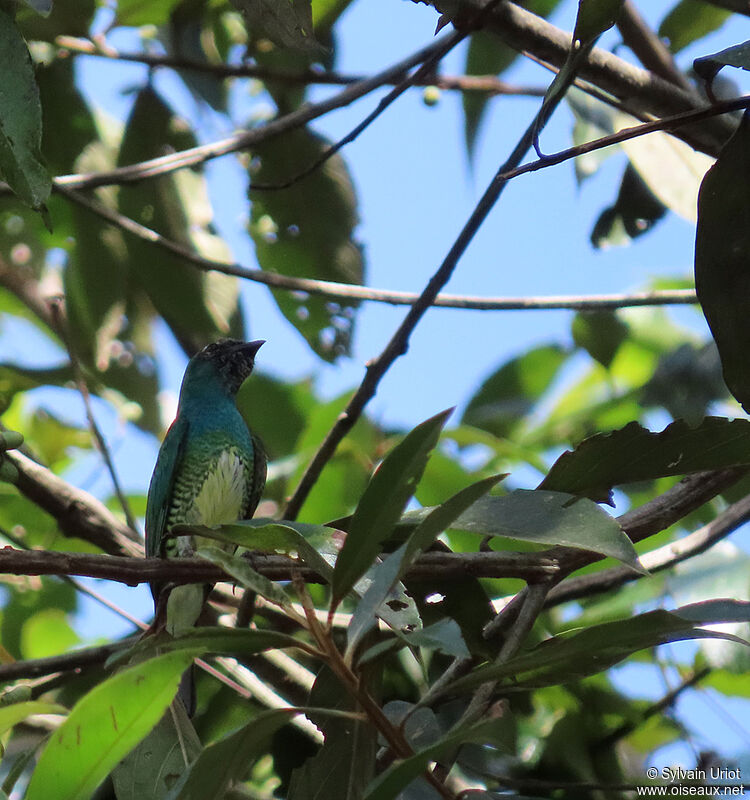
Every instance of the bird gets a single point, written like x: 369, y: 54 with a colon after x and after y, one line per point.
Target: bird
x: 210, y: 470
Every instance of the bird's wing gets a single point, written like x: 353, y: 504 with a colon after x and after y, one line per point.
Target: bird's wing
x: 162, y: 482
x: 260, y: 462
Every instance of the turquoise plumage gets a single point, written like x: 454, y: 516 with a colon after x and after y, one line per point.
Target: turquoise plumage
x: 211, y: 468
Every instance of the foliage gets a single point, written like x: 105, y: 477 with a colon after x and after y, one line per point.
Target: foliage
x: 419, y: 631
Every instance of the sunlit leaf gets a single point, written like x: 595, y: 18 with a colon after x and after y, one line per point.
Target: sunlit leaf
x: 689, y: 21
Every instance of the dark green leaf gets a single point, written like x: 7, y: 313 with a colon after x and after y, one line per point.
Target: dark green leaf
x: 636, y: 454
x: 198, y: 307
x: 686, y: 381
x: 636, y: 211
x: 240, y: 569
x: 594, y: 17
x: 513, y: 390
x: 722, y: 249
x: 20, y: 120
x: 736, y: 56
x: 150, y: 770
x: 383, y: 502
x: 68, y: 17
x: 144, y: 12
x: 549, y: 518
x: 600, y: 333
x: 288, y: 24
x: 306, y: 230
x: 566, y: 658
x: 388, y: 785
x: 386, y: 575
x: 689, y: 21
x: 345, y: 763
x: 230, y: 759
x: 104, y: 726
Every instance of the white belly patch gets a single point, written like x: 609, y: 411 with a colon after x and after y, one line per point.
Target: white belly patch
x: 222, y: 496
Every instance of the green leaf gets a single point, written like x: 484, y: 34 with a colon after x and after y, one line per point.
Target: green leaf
x: 150, y: 770
x: 600, y: 333
x: 104, y: 726
x: 634, y: 454
x: 20, y: 120
x: 736, y: 56
x: 635, y: 211
x: 513, y: 390
x: 144, y: 12
x: 548, y: 518
x: 240, y: 569
x: 722, y: 248
x: 345, y: 763
x: 13, y: 714
x: 287, y: 24
x: 229, y: 760
x: 689, y: 21
x: 311, y: 543
x: 569, y: 657
x: 401, y: 773
x: 383, y: 502
x: 307, y: 231
x: 199, y: 308
x: 386, y: 575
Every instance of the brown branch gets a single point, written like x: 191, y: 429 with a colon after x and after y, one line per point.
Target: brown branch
x: 488, y: 84
x: 658, y: 560
x: 346, y: 291
x: 132, y: 571
x: 78, y: 513
x: 644, y: 91
x: 68, y: 662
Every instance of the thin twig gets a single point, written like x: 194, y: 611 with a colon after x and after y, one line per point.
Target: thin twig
x: 83, y: 390
x: 488, y: 84
x: 399, y: 342
x: 346, y: 291
x: 244, y: 140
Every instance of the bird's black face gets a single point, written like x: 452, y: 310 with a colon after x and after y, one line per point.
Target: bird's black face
x: 232, y: 359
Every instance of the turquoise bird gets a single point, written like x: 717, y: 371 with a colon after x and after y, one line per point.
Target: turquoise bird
x: 211, y: 468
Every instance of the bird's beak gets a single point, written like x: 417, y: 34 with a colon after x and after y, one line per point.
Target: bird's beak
x: 251, y: 348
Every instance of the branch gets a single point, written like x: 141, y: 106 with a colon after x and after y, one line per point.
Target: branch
x: 68, y: 662
x: 524, y: 31
x: 78, y: 513
x: 246, y: 140
x: 132, y: 571
x: 488, y: 84
x: 656, y: 560
x: 348, y: 291
x: 399, y: 342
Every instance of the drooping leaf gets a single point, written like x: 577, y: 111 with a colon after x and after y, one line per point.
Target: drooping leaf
x: 21, y: 163
x: 593, y: 119
x: 570, y: 657
x: 635, y: 211
x: 634, y: 454
x: 104, y: 726
x: 513, y: 390
x: 17, y: 712
x: 545, y: 517
x: 690, y: 20
x: 722, y: 246
x: 175, y: 206
x: 383, y: 502
x: 736, y: 56
x: 307, y: 231
x: 600, y: 333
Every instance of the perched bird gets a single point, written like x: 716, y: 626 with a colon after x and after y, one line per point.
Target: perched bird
x: 211, y: 468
